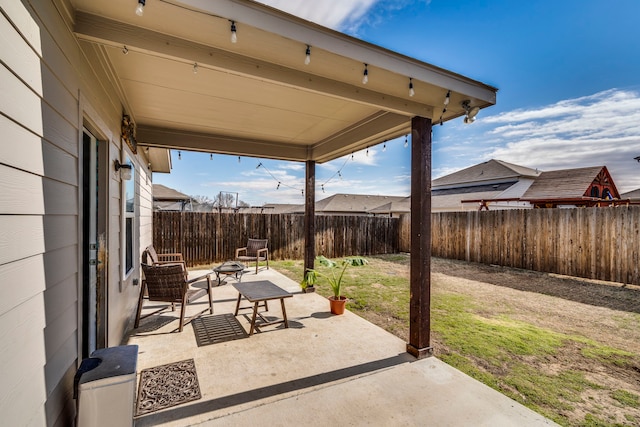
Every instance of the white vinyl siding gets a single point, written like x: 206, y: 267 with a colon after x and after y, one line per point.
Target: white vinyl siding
x: 48, y: 87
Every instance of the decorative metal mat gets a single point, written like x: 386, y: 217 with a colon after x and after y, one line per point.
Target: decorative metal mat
x: 167, y: 385
x: 217, y: 328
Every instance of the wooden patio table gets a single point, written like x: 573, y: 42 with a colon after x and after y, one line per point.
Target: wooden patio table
x: 261, y: 291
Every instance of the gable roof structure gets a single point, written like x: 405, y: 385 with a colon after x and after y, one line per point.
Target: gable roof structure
x: 491, y: 171
x: 353, y: 203
x: 633, y: 195
x: 164, y: 193
x: 569, y: 183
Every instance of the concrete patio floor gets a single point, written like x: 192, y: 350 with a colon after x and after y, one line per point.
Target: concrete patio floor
x: 323, y: 370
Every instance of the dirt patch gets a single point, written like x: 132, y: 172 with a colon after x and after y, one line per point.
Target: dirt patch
x: 603, y: 312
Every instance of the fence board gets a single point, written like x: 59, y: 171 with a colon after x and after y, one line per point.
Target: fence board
x: 595, y: 243
x: 207, y: 238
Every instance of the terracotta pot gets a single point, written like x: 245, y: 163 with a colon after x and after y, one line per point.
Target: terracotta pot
x: 337, y: 304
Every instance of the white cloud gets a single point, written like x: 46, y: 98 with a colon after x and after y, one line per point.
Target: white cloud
x: 334, y: 14
x: 600, y: 129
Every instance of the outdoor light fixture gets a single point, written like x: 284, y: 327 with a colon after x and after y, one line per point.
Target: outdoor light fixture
x: 124, y: 168
x: 307, y: 58
x: 365, y: 74
x: 140, y: 7
x: 411, y: 91
x: 471, y: 112
x: 234, y: 33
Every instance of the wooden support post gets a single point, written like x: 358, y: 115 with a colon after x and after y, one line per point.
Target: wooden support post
x: 310, y: 219
x: 420, y: 274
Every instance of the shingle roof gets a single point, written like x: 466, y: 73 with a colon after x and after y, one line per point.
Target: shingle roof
x: 160, y: 192
x: 633, y: 195
x: 349, y: 203
x: 565, y: 183
x: 492, y: 170
x: 399, y: 206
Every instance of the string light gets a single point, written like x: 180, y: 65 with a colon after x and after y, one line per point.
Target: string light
x: 323, y: 188
x: 234, y: 32
x: 307, y: 58
x: 125, y: 50
x: 384, y: 147
x: 211, y: 156
x: 365, y: 74
x: 195, y: 68
x: 411, y: 91
x: 352, y: 158
x: 140, y: 7
x: 179, y: 155
x: 260, y: 165
x: 367, y: 151
x: 238, y: 159
x: 406, y: 141
x: 447, y: 99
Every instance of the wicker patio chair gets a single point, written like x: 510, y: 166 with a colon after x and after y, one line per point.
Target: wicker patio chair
x: 167, y: 283
x: 151, y: 257
x: 256, y: 250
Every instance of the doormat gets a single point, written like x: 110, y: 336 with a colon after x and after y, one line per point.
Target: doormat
x: 217, y: 328
x: 167, y: 385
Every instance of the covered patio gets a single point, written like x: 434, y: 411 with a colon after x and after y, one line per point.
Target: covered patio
x: 237, y: 77
x: 322, y: 370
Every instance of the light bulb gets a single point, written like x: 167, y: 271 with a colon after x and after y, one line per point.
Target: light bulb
x: 384, y: 148
x: 195, y: 68
x: 140, y: 7
x: 406, y: 141
x: 447, y: 98
x: 307, y: 58
x: 411, y: 91
x: 234, y: 33
x: 365, y: 75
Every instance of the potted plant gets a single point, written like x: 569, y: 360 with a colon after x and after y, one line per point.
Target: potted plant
x: 337, y: 301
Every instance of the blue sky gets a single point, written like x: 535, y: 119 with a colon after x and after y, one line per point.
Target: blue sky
x: 568, y: 74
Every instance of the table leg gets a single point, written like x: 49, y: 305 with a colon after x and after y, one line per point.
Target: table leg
x: 238, y: 304
x: 253, y: 318
x: 209, y: 292
x: 284, y: 313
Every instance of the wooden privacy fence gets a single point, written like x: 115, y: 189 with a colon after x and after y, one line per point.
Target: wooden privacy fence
x: 594, y: 243
x: 206, y: 238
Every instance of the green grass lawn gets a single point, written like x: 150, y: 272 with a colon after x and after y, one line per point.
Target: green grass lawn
x: 509, y: 355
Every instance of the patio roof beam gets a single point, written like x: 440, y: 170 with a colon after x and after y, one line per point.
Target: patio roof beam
x: 289, y: 26
x: 109, y: 32
x: 379, y: 127
x: 151, y: 136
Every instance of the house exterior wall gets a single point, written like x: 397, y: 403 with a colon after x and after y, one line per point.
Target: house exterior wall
x: 49, y: 91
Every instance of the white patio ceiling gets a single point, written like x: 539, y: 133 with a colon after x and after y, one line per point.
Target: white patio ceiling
x: 256, y: 97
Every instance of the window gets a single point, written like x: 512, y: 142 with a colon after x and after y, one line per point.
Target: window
x: 595, y: 192
x: 129, y: 196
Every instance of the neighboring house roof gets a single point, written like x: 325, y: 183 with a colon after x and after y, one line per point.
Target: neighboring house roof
x: 568, y: 183
x: 393, y: 207
x: 162, y: 193
x: 633, y: 195
x: 484, y: 173
x: 353, y: 203
x: 274, y: 208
